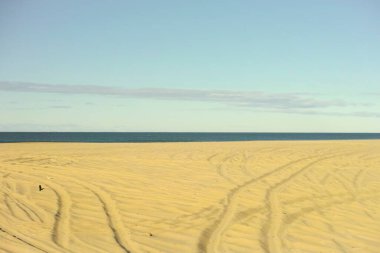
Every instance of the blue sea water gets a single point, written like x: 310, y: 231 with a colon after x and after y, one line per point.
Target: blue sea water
x: 110, y: 137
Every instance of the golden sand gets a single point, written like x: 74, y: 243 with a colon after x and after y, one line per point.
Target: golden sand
x: 270, y: 197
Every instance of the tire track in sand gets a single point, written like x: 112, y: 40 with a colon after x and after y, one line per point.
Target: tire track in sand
x: 61, y: 227
x: 210, y: 237
x: 121, y: 235
x: 60, y: 233
x: 29, y: 209
x: 23, y: 240
x: 273, y: 242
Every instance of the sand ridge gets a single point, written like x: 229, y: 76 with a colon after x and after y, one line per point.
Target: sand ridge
x: 264, y: 196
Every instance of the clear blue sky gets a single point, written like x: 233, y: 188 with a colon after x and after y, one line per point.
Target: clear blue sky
x: 190, y: 65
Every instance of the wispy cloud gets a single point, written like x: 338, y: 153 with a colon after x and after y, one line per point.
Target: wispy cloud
x: 360, y: 114
x: 279, y: 101
x: 59, y: 107
x: 47, y: 127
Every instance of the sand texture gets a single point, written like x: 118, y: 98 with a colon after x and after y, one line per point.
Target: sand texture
x: 269, y: 197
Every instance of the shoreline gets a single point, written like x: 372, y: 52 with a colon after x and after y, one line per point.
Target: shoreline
x: 184, y: 142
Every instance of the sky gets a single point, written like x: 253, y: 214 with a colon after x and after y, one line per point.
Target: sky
x: 201, y: 66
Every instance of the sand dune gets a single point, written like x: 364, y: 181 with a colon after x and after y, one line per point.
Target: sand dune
x: 270, y: 197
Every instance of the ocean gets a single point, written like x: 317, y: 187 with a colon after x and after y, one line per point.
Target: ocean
x: 133, y: 137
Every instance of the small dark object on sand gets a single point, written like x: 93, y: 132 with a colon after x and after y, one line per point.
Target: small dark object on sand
x: 150, y: 234
x: 40, y: 187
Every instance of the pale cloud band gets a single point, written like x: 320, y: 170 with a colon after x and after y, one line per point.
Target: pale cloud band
x: 277, y: 101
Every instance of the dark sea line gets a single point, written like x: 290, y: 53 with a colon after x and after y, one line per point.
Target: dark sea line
x: 139, y: 137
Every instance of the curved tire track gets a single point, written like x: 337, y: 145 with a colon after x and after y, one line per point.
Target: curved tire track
x: 121, y: 235
x: 275, y: 216
x: 210, y: 239
x: 61, y: 227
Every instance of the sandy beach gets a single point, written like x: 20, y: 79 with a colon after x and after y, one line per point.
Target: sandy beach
x: 264, y: 196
